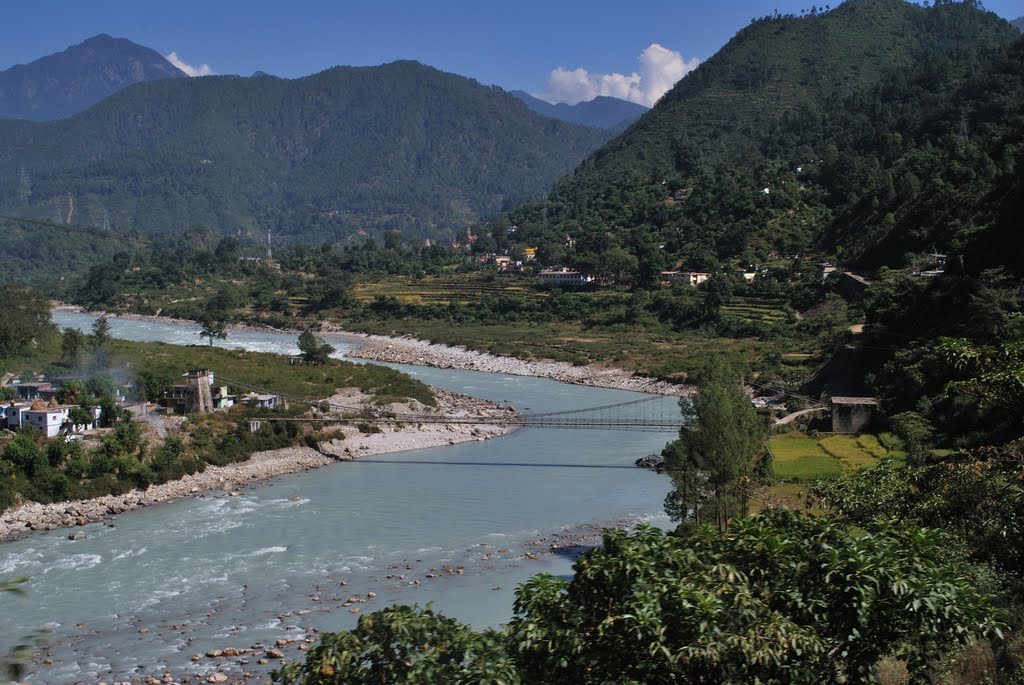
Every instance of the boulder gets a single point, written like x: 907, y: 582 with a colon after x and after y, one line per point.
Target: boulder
x: 652, y: 461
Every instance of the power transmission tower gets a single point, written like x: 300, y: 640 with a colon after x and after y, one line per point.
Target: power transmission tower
x: 270, y: 254
x: 106, y: 219
x: 58, y: 210
x: 24, y: 187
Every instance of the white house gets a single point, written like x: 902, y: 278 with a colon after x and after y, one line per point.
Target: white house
x: 693, y: 278
x: 565, y: 277
x: 48, y: 419
x: 11, y: 414
x: 264, y: 401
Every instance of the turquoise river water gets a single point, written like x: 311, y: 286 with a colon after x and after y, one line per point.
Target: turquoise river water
x: 167, y: 582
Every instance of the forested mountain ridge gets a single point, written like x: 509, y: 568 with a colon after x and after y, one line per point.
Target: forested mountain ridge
x: 783, y: 64
x: 71, y: 81
x: 770, y: 146
x: 400, y: 146
x: 604, y: 112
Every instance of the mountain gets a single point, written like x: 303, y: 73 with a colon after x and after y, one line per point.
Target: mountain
x: 721, y: 167
x: 395, y: 147
x: 69, y: 82
x: 1019, y: 23
x: 603, y: 112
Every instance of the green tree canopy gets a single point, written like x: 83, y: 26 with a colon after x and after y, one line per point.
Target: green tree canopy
x: 315, y: 350
x: 213, y: 328
x: 781, y: 598
x: 26, y: 318
x: 718, y: 450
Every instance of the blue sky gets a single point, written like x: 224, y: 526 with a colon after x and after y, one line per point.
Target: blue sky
x: 515, y: 45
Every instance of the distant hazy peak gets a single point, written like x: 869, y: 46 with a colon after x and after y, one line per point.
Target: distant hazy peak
x: 605, y: 112
x: 68, y: 82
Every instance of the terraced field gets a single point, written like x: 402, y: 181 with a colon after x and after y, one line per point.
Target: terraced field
x: 755, y: 309
x: 460, y: 289
x: 800, y: 458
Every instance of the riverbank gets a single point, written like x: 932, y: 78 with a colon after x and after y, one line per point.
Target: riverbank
x: 407, y: 350
x: 420, y: 352
x: 263, y: 466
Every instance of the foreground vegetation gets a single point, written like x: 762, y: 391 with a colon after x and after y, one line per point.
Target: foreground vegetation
x: 759, y: 603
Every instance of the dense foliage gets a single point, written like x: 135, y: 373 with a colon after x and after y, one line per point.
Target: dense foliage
x: 785, y: 137
x: 26, y: 318
x: 780, y: 598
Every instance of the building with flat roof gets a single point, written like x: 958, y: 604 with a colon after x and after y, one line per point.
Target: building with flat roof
x: 852, y: 414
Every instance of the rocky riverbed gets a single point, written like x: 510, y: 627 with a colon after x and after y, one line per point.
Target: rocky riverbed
x: 262, y: 466
x: 413, y: 351
x: 407, y: 350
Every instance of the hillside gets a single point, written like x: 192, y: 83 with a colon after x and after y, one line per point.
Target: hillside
x: 400, y: 146
x: 71, y: 81
x: 734, y: 161
x: 604, y: 112
x: 1019, y: 23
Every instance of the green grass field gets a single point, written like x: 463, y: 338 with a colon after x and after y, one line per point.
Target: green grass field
x: 800, y: 458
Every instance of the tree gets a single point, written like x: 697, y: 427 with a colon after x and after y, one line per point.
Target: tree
x: 79, y: 417
x: 213, y: 328
x: 100, y: 332
x: 314, y: 350
x: 26, y: 319
x: 718, y: 293
x: 71, y: 344
x: 421, y: 647
x: 718, y: 448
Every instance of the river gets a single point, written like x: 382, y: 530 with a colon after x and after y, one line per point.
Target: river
x: 167, y: 582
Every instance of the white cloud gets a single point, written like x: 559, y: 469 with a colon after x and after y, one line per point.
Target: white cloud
x: 660, y: 69
x: 201, y: 70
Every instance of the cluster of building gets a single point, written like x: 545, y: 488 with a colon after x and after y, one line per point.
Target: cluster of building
x: 36, y: 405
x: 200, y: 394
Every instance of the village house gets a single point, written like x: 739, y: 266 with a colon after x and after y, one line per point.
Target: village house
x: 693, y: 278
x: 11, y: 414
x: 53, y: 419
x: 565, y: 278
x: 34, y: 391
x: 261, y: 400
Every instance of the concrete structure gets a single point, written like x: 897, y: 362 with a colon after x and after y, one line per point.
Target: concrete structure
x: 221, y: 398
x: 565, y: 277
x: 32, y: 391
x: 194, y: 395
x: 263, y: 401
x: 852, y: 286
x: 11, y: 414
x: 852, y: 414
x: 693, y: 278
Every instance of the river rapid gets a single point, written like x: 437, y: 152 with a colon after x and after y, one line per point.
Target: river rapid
x: 457, y: 526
